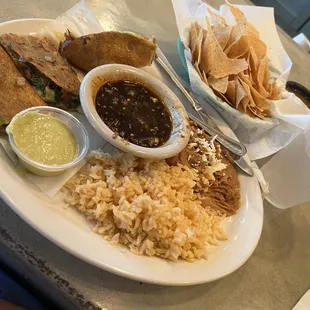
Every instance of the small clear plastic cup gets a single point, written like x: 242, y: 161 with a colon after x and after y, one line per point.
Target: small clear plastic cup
x: 77, y: 128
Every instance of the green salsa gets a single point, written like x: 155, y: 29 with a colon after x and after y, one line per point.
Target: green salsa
x: 44, y: 139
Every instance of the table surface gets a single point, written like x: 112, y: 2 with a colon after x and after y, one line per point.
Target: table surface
x: 275, y: 277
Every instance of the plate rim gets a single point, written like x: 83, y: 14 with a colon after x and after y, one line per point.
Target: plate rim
x: 99, y: 264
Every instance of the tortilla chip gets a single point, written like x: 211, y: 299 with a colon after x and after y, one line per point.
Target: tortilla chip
x: 239, y: 49
x: 250, y: 73
x: 14, y: 98
x: 258, y: 45
x: 203, y: 64
x: 196, y: 51
x: 223, y: 97
x: 243, y: 106
x: 275, y: 93
x: 235, y: 35
x: 234, y: 64
x: 220, y: 84
x: 247, y: 56
x: 196, y: 66
x: 204, y: 78
x: 269, y: 88
x: 253, y: 59
x: 235, y: 11
x: 253, y: 111
x: 257, y: 101
x: 261, y: 73
x: 215, y: 62
x: 260, y: 101
x: 195, y: 41
x: 238, y: 29
x: 245, y: 77
x: 203, y: 46
x: 193, y: 35
x: 240, y: 93
x: 217, y: 17
x: 247, y: 90
x: 231, y: 92
x: 221, y: 34
x: 250, y: 29
x: 266, y: 78
x: 253, y: 63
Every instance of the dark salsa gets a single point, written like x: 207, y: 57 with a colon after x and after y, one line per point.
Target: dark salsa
x: 134, y: 113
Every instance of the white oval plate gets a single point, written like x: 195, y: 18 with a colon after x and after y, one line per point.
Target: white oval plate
x: 70, y: 231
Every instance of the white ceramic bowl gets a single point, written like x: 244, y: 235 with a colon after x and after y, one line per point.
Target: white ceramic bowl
x: 73, y: 124
x: 109, y: 73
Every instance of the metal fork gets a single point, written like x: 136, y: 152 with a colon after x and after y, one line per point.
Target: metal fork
x: 236, y: 148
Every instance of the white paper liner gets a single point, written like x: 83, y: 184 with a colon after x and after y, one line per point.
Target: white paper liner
x: 289, y: 116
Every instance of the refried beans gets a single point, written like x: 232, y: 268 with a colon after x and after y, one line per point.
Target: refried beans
x: 218, y: 185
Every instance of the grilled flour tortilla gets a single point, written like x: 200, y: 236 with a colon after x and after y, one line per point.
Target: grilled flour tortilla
x: 41, y: 64
x: 90, y: 51
x: 16, y: 93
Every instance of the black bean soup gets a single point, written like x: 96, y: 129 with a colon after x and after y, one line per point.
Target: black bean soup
x: 134, y: 113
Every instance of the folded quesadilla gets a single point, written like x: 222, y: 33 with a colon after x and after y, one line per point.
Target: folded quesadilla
x: 16, y: 92
x: 93, y: 50
x: 44, y: 68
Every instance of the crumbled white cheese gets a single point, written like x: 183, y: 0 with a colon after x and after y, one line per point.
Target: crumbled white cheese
x: 20, y: 81
x: 212, y: 142
x: 209, y: 156
x: 21, y: 59
x: 191, y: 145
x: 49, y: 58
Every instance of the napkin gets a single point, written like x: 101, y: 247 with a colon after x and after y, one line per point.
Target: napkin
x: 304, y: 302
x: 289, y: 115
x: 287, y: 173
